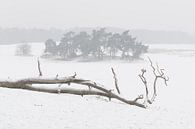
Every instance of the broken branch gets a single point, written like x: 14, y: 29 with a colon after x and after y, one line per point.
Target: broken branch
x: 39, y: 67
x: 143, y: 79
x: 115, y: 81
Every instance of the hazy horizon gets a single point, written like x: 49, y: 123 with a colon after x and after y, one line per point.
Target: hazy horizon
x: 17, y: 35
x: 163, y: 15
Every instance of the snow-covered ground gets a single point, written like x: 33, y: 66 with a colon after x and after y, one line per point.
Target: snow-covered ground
x: 174, y: 107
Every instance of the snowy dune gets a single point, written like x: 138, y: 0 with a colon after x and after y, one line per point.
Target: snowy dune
x: 174, y: 107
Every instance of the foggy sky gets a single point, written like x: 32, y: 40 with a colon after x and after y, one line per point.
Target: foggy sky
x: 131, y: 14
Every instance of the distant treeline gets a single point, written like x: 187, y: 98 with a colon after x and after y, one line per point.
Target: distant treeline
x: 21, y: 35
x: 97, y: 45
x: 17, y: 35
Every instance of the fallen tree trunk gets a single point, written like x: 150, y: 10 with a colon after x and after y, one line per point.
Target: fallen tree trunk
x: 27, y: 84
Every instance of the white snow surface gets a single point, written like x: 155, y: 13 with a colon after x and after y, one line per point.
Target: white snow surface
x: 174, y: 107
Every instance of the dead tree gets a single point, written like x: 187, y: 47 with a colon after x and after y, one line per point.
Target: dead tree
x: 94, y: 88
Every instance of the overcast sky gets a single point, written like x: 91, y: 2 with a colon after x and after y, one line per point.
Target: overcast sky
x: 129, y: 14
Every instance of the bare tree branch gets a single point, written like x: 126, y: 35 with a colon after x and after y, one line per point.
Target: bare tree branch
x: 57, y: 76
x: 159, y: 75
x: 153, y: 68
x: 39, y: 67
x: 143, y: 79
x: 75, y: 74
x: 115, y: 81
x: 138, y: 98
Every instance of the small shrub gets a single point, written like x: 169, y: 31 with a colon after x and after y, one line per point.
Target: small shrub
x: 23, y: 50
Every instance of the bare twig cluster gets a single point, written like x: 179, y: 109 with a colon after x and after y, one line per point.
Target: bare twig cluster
x: 39, y: 67
x: 159, y: 74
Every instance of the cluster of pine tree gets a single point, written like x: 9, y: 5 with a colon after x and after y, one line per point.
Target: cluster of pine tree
x: 97, y: 45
